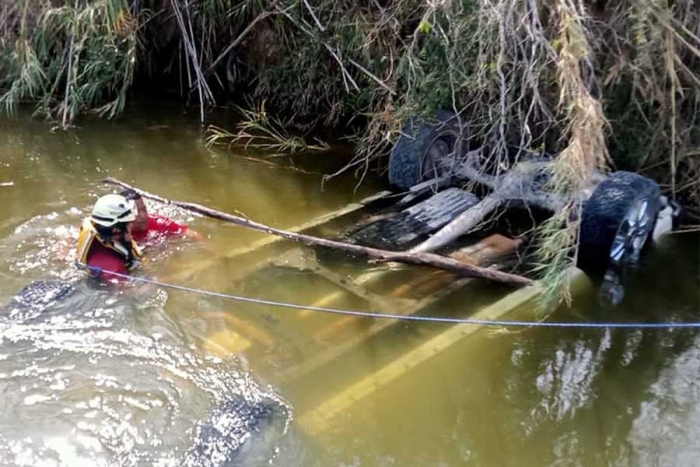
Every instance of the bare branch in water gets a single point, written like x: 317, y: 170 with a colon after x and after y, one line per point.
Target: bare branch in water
x: 420, y: 259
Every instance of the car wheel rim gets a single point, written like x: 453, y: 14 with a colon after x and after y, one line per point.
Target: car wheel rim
x: 632, y: 234
x: 436, y: 160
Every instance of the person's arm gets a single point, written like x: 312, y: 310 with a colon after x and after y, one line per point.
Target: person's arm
x: 168, y: 226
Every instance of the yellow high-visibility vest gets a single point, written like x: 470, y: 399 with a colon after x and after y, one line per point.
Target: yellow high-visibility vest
x: 88, y: 234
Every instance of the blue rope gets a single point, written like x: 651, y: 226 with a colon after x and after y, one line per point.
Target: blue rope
x: 96, y: 272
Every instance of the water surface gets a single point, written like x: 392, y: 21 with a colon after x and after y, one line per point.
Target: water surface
x: 124, y: 377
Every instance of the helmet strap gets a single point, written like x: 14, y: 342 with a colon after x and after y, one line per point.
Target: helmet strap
x: 104, y: 232
x: 122, y: 226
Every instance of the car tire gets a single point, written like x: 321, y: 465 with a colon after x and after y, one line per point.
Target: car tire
x: 414, y: 152
x: 617, y: 221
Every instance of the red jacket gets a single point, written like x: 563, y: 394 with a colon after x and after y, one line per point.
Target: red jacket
x: 159, y: 225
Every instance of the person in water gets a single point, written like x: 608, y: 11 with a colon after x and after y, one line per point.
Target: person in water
x: 105, y: 242
x: 147, y: 225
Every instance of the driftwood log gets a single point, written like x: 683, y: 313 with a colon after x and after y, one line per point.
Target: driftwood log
x: 420, y: 259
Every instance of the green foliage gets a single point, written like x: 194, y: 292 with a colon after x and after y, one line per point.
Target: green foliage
x: 556, y: 245
x: 261, y: 131
x: 73, y: 58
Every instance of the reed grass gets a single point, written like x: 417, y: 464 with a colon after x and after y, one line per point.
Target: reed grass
x: 258, y: 130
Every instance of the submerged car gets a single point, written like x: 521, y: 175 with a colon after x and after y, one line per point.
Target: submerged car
x: 619, y: 213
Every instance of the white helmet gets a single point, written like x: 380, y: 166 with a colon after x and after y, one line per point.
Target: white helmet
x: 113, y: 209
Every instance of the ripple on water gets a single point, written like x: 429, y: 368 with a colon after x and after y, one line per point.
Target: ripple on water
x: 88, y: 384
x: 45, y: 243
x: 667, y: 430
x: 566, y: 381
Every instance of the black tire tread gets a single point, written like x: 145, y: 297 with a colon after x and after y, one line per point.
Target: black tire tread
x: 405, y: 163
x: 605, y: 210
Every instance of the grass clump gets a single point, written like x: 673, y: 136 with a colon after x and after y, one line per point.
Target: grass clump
x: 68, y: 58
x: 258, y: 130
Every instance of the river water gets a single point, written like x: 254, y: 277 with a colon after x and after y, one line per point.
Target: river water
x: 125, y: 376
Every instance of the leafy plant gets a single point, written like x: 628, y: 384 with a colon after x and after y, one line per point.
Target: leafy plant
x: 260, y: 131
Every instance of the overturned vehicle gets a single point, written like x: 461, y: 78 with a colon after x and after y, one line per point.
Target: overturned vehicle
x: 620, y: 214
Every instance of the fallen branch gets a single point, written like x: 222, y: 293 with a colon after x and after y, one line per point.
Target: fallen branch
x: 419, y: 259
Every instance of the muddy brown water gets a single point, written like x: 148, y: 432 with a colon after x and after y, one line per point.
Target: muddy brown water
x: 122, y: 378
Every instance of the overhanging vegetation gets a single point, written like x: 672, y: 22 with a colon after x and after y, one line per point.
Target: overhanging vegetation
x: 600, y: 83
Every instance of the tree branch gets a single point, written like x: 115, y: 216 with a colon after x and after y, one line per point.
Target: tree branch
x: 419, y: 259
